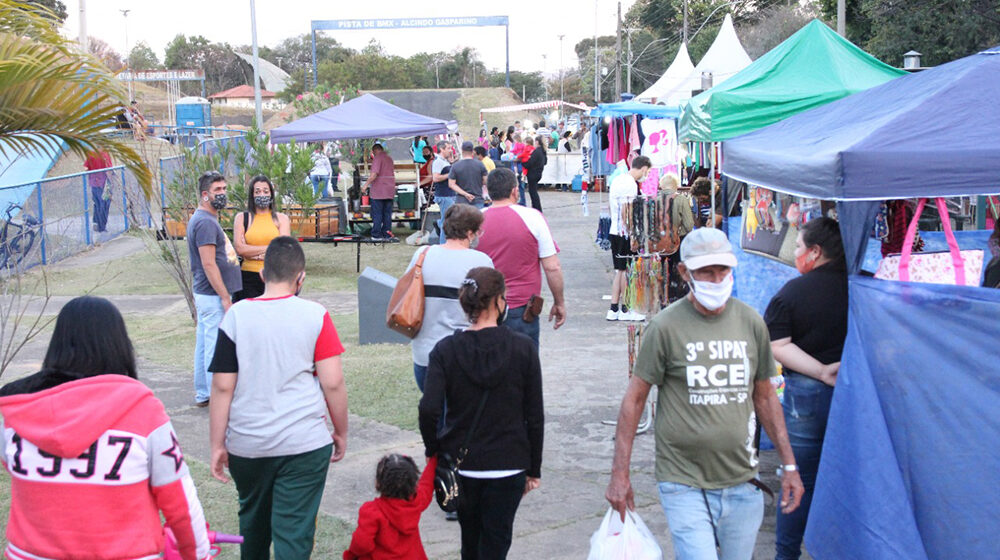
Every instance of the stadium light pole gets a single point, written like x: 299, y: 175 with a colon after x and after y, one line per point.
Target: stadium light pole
x: 561, y: 75
x: 131, y: 94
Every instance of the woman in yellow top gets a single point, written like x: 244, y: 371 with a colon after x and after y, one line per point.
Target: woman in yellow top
x: 253, y: 230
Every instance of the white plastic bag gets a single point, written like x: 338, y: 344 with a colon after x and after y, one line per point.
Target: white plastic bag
x: 631, y: 540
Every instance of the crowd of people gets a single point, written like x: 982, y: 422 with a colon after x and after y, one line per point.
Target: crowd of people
x: 268, y: 366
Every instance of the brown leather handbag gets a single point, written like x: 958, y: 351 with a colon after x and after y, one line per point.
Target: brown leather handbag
x: 405, y: 313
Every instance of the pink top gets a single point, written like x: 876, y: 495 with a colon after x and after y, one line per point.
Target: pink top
x: 384, y: 185
x: 516, y: 238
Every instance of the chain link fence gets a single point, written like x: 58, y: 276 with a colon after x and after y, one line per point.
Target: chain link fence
x: 46, y: 221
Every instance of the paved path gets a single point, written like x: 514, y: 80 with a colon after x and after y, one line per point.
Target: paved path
x: 584, y: 367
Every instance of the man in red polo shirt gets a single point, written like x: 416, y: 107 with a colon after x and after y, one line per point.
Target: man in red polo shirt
x: 382, y: 181
x: 521, y: 246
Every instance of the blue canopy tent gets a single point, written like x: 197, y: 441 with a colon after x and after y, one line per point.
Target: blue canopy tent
x: 628, y: 108
x: 912, y: 453
x: 366, y: 116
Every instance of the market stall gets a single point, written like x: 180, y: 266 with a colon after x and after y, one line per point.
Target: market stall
x: 812, y: 67
x: 912, y: 448
x: 366, y: 117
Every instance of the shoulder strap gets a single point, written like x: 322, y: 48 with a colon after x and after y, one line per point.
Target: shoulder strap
x: 472, y: 430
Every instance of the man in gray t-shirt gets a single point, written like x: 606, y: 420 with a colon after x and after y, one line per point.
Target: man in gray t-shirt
x: 215, y: 270
x: 468, y: 178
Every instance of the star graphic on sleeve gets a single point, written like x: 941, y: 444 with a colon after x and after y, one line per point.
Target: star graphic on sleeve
x: 174, y: 452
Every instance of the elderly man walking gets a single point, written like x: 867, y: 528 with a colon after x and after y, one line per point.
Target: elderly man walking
x: 710, y: 358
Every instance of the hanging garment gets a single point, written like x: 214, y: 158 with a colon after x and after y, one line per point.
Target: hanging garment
x: 660, y: 145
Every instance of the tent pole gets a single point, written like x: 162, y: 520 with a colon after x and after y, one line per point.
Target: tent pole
x: 711, y: 180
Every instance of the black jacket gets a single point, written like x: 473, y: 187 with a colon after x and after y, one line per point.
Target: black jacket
x: 536, y: 162
x: 461, y: 367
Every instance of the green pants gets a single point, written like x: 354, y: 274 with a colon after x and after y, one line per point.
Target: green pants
x: 279, y: 500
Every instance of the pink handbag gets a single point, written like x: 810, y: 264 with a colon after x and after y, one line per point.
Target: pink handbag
x: 962, y: 268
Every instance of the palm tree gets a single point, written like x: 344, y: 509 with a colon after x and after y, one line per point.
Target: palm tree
x: 52, y: 96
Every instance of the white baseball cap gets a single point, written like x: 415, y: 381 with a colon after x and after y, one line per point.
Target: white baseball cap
x: 706, y: 247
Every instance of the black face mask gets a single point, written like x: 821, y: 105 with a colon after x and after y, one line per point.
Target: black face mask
x: 503, y: 315
x: 219, y: 201
x: 263, y: 201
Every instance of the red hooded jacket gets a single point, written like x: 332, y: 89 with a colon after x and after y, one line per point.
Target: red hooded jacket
x: 92, y: 463
x: 389, y: 528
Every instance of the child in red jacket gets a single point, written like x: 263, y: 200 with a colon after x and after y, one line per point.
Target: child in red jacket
x: 389, y: 526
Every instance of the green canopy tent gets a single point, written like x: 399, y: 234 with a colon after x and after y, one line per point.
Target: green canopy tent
x: 811, y: 68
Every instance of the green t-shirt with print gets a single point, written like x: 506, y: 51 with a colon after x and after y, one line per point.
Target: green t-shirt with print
x: 704, y: 369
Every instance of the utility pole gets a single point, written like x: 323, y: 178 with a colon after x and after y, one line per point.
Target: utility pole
x: 842, y: 18
x: 258, y: 113
x: 597, y: 69
x: 618, y: 56
x: 84, y: 43
x: 628, y: 69
x: 685, y: 23
x: 125, y: 15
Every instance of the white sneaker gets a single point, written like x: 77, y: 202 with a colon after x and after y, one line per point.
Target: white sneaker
x: 613, y: 315
x: 631, y: 316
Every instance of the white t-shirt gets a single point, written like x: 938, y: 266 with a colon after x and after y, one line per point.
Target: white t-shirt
x: 622, y: 189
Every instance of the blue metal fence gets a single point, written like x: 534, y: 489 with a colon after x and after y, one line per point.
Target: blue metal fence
x: 61, y: 216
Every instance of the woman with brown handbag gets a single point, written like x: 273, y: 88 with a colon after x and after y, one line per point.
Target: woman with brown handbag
x: 444, y: 268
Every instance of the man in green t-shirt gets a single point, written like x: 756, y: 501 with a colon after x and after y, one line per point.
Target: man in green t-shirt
x: 710, y: 359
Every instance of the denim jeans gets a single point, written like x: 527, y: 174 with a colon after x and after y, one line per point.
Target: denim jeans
x: 420, y: 374
x: 209, y: 308
x: 444, y: 203
x: 737, y: 512
x: 806, y: 406
x: 101, y: 208
x: 515, y: 322
x: 319, y: 184
x: 381, y: 217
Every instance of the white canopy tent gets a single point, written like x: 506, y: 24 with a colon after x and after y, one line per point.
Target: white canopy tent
x: 677, y: 73
x: 724, y: 59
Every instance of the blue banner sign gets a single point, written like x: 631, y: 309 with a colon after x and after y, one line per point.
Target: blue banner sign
x: 408, y: 23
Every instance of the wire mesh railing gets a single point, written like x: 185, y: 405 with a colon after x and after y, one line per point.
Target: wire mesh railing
x: 48, y: 220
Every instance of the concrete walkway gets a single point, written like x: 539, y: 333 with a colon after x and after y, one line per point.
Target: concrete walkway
x: 584, y: 366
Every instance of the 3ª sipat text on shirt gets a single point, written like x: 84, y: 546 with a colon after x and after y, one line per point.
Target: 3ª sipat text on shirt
x: 704, y: 369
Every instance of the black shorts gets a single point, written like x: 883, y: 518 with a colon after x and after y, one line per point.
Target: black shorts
x: 621, y: 248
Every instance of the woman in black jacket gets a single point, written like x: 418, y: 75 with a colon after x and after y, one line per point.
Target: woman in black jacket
x: 533, y: 169
x: 504, y: 456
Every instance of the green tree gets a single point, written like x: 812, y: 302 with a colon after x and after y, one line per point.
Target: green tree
x: 51, y: 95
x: 941, y: 31
x: 665, y: 19
x: 532, y: 83
x: 858, y: 24
x: 217, y: 60
x: 143, y: 58
x: 53, y: 9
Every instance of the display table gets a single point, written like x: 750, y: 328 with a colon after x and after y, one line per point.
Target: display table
x: 561, y: 168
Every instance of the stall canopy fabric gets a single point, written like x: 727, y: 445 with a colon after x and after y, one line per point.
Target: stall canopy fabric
x: 533, y: 107
x: 932, y: 133
x: 664, y: 91
x: 723, y: 60
x: 811, y: 68
x: 911, y: 458
x: 629, y: 108
x: 366, y: 116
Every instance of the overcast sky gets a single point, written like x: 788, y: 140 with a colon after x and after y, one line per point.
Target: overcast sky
x: 534, y: 25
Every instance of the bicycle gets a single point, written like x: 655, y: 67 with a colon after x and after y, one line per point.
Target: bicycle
x: 16, y: 239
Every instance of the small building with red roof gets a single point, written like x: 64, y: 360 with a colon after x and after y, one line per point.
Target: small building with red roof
x: 242, y: 96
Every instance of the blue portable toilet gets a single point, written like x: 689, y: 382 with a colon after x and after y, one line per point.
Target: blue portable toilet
x: 194, y: 115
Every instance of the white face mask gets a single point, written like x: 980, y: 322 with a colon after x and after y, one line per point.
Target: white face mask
x: 711, y: 295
